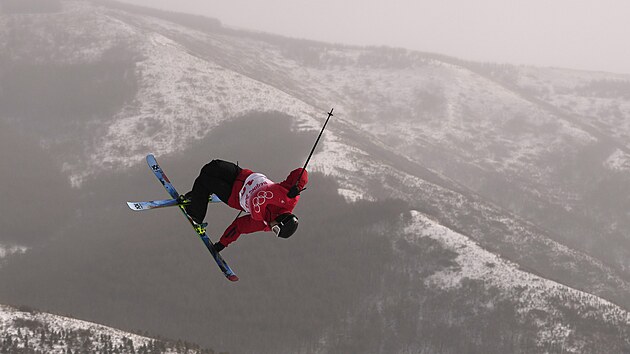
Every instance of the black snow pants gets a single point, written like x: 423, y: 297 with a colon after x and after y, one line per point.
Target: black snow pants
x: 216, y: 177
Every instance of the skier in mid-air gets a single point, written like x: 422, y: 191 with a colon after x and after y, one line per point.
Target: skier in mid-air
x: 270, y: 205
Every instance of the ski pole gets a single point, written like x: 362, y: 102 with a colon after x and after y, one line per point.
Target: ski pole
x: 330, y: 114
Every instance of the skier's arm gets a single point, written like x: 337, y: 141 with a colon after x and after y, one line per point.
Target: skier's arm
x: 243, y: 225
x: 292, y: 179
x: 295, y: 182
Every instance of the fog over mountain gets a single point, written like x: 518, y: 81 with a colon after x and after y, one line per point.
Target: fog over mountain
x: 587, y: 35
x: 453, y: 206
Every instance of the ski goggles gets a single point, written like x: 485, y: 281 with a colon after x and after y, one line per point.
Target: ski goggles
x: 276, y: 230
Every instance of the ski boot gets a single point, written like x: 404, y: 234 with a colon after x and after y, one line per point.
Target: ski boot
x: 184, y: 199
x: 199, y: 225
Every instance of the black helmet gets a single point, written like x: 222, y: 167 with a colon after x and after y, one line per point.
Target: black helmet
x: 287, y: 224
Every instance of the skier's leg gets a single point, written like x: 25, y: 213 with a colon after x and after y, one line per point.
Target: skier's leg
x: 215, y: 177
x: 224, y: 170
x: 220, y: 176
x: 198, y: 200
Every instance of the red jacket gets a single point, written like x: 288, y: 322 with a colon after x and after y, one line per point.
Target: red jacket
x: 267, y: 202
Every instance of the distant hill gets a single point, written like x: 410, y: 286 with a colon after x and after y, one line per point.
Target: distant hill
x: 29, y: 331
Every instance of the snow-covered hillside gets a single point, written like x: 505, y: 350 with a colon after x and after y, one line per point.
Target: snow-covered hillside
x: 6, y: 251
x: 27, y: 331
x: 460, y: 290
x: 537, y: 295
x: 601, y: 99
x: 181, y: 99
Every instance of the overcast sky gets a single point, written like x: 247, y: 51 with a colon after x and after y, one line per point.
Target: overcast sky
x: 580, y: 34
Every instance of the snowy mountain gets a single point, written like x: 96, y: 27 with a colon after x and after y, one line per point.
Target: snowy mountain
x: 489, y: 289
x: 28, y: 331
x: 459, y: 205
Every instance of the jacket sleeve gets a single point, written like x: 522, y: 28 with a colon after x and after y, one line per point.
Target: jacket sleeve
x: 292, y: 178
x: 243, y: 225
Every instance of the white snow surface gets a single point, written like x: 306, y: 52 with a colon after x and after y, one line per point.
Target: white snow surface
x: 6, y: 251
x: 350, y: 195
x: 572, y: 91
x: 10, y: 316
x: 618, y: 161
x: 533, y: 292
x: 180, y: 98
x: 474, y: 262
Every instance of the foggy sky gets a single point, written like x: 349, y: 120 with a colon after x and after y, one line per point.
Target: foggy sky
x: 585, y: 34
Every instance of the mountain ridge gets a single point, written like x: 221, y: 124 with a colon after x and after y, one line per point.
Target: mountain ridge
x: 27, y: 330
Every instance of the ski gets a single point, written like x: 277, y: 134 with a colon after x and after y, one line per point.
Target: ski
x: 155, y: 204
x: 157, y: 170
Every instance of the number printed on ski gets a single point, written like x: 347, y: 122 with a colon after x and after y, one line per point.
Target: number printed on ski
x: 157, y: 170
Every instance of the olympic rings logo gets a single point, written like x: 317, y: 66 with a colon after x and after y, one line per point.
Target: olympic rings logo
x: 260, y: 199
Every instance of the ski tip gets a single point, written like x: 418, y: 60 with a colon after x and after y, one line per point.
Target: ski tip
x: 232, y: 277
x: 134, y: 206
